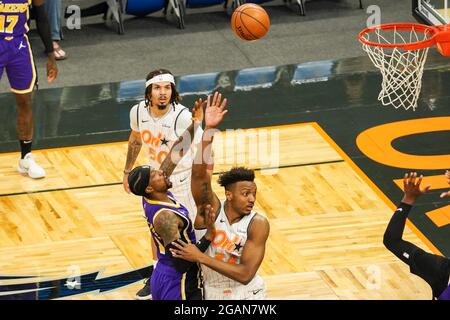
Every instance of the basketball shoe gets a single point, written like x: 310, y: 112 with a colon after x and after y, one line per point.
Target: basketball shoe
x: 146, y: 292
x: 28, y: 166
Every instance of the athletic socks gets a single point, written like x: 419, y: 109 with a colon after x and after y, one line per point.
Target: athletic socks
x: 25, y: 147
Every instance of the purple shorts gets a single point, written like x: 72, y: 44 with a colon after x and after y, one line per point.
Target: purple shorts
x: 445, y: 295
x: 17, y: 59
x: 168, y: 284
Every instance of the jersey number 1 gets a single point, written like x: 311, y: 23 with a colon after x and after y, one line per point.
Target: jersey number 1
x: 12, y: 20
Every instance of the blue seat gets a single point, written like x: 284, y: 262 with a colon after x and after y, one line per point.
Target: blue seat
x: 253, y: 78
x: 313, y: 72
x: 198, y: 83
x: 131, y: 91
x: 144, y: 7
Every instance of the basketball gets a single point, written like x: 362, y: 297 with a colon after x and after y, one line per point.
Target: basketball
x: 250, y: 22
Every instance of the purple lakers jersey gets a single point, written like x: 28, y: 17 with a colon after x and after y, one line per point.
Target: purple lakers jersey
x: 153, y: 208
x: 14, y: 15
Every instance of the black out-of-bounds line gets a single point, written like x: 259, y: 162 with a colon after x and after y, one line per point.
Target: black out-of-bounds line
x: 119, y: 183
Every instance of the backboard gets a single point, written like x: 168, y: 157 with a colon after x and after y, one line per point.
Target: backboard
x: 431, y: 12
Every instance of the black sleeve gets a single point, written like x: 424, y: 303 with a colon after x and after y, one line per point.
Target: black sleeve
x: 432, y: 268
x: 181, y: 265
x: 43, y: 27
x: 393, y: 236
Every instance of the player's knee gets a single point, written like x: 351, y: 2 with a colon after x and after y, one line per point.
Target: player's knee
x: 24, y: 103
x: 24, y: 108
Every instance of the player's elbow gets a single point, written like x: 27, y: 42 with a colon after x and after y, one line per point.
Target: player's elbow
x: 388, y: 240
x: 135, y: 139
x: 246, y: 281
x: 246, y: 276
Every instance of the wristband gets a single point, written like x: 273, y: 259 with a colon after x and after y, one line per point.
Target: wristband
x: 203, y: 244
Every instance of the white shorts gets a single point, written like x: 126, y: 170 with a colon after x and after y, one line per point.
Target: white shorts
x: 255, y: 290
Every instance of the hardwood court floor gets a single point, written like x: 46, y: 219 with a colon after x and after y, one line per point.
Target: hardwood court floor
x: 327, y: 220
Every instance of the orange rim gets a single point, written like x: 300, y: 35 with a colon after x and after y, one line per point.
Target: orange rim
x: 433, y: 31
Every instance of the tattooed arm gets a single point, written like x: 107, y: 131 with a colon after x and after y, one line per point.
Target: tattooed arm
x: 168, y: 225
x: 134, y: 147
x: 184, y: 142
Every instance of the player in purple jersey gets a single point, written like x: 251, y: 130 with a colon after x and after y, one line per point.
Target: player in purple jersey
x: 434, y: 269
x: 168, y: 220
x: 16, y: 58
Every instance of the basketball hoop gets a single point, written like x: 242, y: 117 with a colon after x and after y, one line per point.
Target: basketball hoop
x: 400, y: 50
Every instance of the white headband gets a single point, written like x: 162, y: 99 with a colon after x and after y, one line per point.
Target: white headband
x: 166, y: 77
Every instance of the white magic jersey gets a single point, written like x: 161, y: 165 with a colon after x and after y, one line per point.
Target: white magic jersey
x: 227, y: 246
x: 158, y: 135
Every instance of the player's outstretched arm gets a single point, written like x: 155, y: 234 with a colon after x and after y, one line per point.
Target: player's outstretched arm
x: 394, y: 232
x: 200, y: 178
x: 252, y: 254
x: 184, y: 142
x: 426, y: 265
x: 134, y: 147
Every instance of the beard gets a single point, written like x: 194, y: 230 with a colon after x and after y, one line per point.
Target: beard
x: 162, y: 106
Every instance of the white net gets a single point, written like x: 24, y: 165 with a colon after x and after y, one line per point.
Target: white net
x: 401, y: 69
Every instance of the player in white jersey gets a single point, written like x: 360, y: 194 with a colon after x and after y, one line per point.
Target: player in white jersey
x: 232, y: 260
x: 156, y: 124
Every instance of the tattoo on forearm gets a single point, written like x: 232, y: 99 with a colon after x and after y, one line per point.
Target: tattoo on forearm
x: 168, y: 165
x: 133, y: 151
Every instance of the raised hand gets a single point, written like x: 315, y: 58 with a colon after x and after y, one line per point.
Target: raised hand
x: 215, y: 111
x: 125, y: 184
x: 210, y: 221
x: 446, y: 194
x: 411, y: 187
x: 197, y: 111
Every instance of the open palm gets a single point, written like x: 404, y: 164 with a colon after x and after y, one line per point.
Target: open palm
x: 411, y: 187
x: 215, y: 111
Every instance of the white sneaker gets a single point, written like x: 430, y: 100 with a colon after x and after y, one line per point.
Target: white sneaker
x: 29, y: 166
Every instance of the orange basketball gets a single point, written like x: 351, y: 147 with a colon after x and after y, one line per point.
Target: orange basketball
x: 250, y: 22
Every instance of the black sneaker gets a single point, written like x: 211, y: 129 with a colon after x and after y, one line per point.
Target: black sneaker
x: 146, y: 292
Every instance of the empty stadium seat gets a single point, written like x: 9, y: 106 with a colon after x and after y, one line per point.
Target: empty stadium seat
x: 198, y: 83
x: 144, y: 7
x: 252, y: 78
